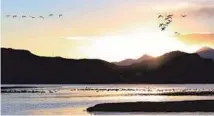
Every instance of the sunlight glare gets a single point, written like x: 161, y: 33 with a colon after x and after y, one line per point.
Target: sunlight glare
x: 133, y: 44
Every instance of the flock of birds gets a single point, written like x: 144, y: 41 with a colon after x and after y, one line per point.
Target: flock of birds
x: 167, y: 20
x: 33, y: 17
x: 27, y: 91
x: 147, y: 89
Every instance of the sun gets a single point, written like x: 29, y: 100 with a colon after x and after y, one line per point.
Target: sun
x: 133, y: 44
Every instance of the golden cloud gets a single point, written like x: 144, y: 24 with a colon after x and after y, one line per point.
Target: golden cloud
x: 198, y: 39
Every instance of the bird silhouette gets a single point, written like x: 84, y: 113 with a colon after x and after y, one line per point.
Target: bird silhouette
x: 60, y: 15
x: 14, y: 16
x: 24, y: 16
x: 160, y: 16
x: 32, y: 17
x: 160, y: 25
x: 163, y: 28
x: 183, y: 15
x: 50, y: 15
x: 7, y: 15
x: 176, y: 33
x: 41, y: 17
x: 168, y: 22
x: 169, y: 15
x: 168, y: 18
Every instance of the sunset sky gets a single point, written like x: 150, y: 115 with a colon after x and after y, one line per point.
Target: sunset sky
x: 111, y: 30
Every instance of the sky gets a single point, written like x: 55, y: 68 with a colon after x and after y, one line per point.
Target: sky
x: 111, y: 30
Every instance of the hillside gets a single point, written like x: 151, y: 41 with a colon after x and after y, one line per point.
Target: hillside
x: 206, y: 52
x: 23, y: 67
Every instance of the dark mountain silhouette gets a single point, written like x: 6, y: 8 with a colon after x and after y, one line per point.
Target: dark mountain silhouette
x: 125, y: 62
x: 128, y: 62
x: 175, y: 67
x: 22, y: 67
x: 206, y: 52
x: 19, y: 66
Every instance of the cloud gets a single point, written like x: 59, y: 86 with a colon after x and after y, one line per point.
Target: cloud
x: 197, y: 10
x: 198, y: 39
x: 204, y: 11
x: 79, y: 38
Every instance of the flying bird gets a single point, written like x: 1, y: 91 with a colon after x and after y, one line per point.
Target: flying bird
x: 176, y: 33
x: 50, y: 15
x: 60, y: 15
x: 168, y: 22
x: 169, y: 16
x: 163, y: 28
x: 41, y: 17
x: 160, y: 16
x: 14, y: 16
x: 183, y: 15
x: 32, y: 17
x: 160, y: 25
x: 166, y: 18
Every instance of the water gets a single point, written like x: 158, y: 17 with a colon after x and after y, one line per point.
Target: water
x: 74, y: 99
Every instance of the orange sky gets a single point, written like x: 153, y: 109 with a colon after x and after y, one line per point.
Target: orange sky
x: 108, y: 30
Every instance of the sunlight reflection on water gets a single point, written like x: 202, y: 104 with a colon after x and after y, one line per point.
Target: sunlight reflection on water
x: 66, y: 101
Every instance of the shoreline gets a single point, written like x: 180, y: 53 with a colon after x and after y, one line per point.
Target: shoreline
x: 191, y: 93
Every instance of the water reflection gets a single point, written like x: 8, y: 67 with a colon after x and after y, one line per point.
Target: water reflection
x: 61, y: 111
x: 75, y: 99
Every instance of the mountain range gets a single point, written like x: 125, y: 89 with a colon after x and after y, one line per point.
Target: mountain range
x: 23, y: 67
x: 127, y: 62
x: 204, y: 52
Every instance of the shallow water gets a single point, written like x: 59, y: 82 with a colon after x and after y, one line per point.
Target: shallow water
x: 74, y: 99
